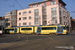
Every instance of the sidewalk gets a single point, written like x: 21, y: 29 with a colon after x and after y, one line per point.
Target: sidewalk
x: 71, y: 32
x: 2, y: 36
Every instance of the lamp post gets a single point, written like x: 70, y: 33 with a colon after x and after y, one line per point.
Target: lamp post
x: 69, y: 27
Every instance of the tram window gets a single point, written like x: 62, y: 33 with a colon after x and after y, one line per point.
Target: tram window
x: 23, y: 29
x: 45, y: 28
x: 52, y: 28
x: 9, y: 29
x: 49, y: 28
x: 39, y: 30
x: 15, y: 29
x: 28, y: 28
x: 64, y: 28
x: 60, y: 29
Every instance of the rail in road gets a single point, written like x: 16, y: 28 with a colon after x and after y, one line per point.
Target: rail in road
x: 14, y: 44
x: 40, y: 41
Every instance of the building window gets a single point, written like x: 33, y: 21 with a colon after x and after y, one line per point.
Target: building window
x: 44, y: 22
x: 34, y: 5
x: 24, y: 18
x: 64, y: 23
x: 36, y: 10
x: 20, y: 13
x: 39, y: 5
x: 44, y: 4
x: 53, y: 22
x: 63, y: 12
x: 53, y: 9
x: 59, y: 3
x: 60, y: 11
x: 24, y: 23
x: 7, y: 19
x: 25, y: 12
x: 44, y: 17
x: 19, y: 18
x: 30, y: 17
x: 54, y: 15
x: 7, y: 24
x: 53, y: 2
x: 19, y: 24
x: 36, y: 16
x: 54, y: 12
x: 29, y: 11
x: 44, y: 10
x: 64, y: 17
x: 36, y: 22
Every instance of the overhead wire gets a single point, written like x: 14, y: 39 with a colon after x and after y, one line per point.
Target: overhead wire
x: 18, y: 4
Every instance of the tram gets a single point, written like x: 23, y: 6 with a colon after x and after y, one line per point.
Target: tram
x: 52, y: 29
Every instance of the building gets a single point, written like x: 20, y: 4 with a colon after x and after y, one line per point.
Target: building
x: 11, y: 18
x: 44, y: 13
x: 8, y: 20
x: 14, y: 18
x: 72, y: 24
x: 2, y: 21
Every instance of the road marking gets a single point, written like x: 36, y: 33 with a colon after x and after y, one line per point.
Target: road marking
x: 26, y: 37
x: 50, y: 44
x: 51, y: 38
x: 18, y: 37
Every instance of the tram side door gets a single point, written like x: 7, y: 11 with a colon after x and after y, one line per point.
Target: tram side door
x: 39, y: 30
x: 60, y: 30
x: 15, y: 31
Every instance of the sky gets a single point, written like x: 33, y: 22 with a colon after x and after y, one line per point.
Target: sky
x: 9, y: 5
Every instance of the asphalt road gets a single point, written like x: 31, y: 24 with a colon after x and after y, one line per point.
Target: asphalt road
x: 37, y: 42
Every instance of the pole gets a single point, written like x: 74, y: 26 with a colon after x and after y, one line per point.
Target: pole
x: 69, y: 27
x: 19, y: 29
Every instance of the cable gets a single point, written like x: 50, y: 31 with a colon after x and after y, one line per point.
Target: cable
x: 19, y: 4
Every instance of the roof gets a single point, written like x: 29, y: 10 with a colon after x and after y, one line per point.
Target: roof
x: 46, y: 1
x: 38, y: 2
x: 62, y: 2
x: 73, y: 19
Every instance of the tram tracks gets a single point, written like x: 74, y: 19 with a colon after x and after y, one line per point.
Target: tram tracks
x: 45, y: 44
x: 51, y: 43
x: 15, y: 44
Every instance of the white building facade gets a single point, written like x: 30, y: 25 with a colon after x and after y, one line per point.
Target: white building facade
x: 44, y: 13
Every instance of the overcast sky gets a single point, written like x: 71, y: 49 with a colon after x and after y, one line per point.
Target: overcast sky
x: 9, y: 5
